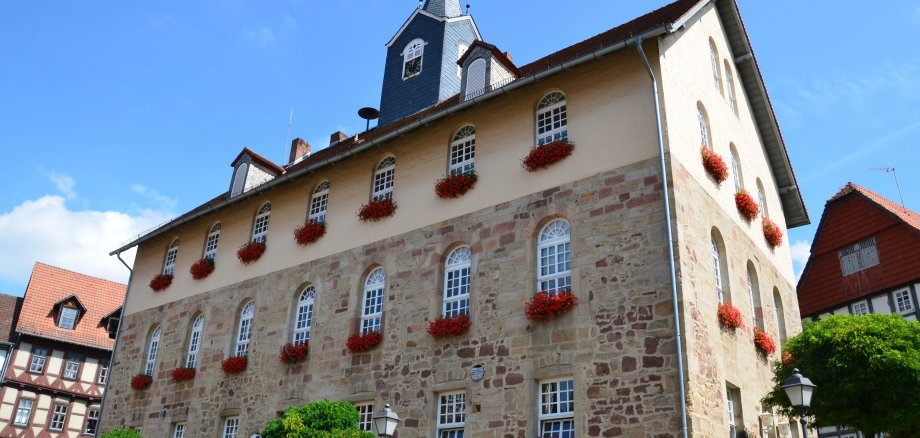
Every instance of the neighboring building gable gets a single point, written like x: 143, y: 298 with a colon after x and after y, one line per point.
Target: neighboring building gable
x: 9, y: 313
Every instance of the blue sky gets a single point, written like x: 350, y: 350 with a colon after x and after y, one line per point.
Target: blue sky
x: 116, y: 116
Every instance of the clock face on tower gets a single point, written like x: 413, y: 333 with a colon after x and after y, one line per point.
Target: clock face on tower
x: 412, y: 58
x: 412, y: 68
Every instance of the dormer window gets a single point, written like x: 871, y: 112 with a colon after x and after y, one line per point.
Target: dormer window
x: 412, y: 58
x: 67, y: 319
x: 239, y: 179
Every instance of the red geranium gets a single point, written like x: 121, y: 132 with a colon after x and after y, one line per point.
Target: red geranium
x: 544, y: 155
x: 714, y: 164
x: 786, y: 357
x: 376, y: 210
x: 309, y: 232
x: 730, y: 317
x: 746, y: 205
x: 250, y: 252
x: 202, y: 268
x: 450, y: 326
x: 234, y: 364
x: 160, y: 282
x: 141, y: 382
x: 362, y: 342
x: 454, y: 186
x: 294, y: 353
x: 764, y: 343
x: 545, y: 305
x: 772, y: 233
x: 180, y: 374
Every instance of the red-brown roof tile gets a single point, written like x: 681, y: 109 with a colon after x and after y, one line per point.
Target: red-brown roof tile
x: 9, y: 312
x: 909, y: 217
x: 259, y: 159
x: 499, y: 55
x: 49, y: 285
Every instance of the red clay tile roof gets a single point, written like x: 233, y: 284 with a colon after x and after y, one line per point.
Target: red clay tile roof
x: 259, y: 159
x: 499, y: 55
x: 909, y: 217
x: 50, y: 285
x: 9, y: 311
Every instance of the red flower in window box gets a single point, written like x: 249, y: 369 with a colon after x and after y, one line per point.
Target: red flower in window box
x: 545, y: 306
x: 454, y: 186
x: 180, y: 374
x: 293, y: 353
x: 786, y: 358
x: 141, y: 382
x: 160, y: 282
x: 450, y: 326
x: 730, y: 317
x: 764, y: 343
x: 202, y: 268
x: 746, y: 205
x: 362, y: 342
x: 714, y: 164
x: 376, y: 210
x: 544, y: 155
x: 309, y: 232
x: 234, y: 364
x: 772, y: 233
x: 250, y: 252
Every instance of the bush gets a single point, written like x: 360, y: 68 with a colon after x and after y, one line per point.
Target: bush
x: 320, y: 419
x: 121, y: 433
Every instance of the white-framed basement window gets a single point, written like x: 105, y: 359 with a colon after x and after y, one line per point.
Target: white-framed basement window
x: 451, y: 414
x: 557, y: 408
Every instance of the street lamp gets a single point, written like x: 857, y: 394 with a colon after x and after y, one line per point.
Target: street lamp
x: 385, y: 422
x: 799, y: 390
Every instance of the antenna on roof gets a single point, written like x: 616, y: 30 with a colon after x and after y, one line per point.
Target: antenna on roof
x: 287, y: 138
x: 368, y: 114
x: 890, y: 170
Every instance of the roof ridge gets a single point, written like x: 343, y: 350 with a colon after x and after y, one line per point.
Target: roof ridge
x: 58, y: 268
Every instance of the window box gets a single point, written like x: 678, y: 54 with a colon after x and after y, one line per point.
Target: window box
x: 376, y: 210
x: 292, y: 353
x: 746, y: 205
x: 358, y: 342
x: 730, y: 317
x: 772, y: 233
x: 545, y: 155
x: 180, y: 374
x: 546, y: 305
x: 161, y: 282
x: 141, y: 382
x: 451, y: 326
x: 764, y: 343
x: 234, y: 364
x: 202, y: 268
x: 250, y: 252
x: 309, y: 232
x: 714, y: 164
x: 455, y: 186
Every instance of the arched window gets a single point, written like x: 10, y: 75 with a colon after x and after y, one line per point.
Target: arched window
x: 736, y: 169
x: 383, y: 179
x: 260, y: 226
x: 703, y: 118
x: 244, y: 330
x: 412, y: 58
x: 730, y: 86
x: 194, y: 342
x: 169, y: 265
x: 554, y: 258
x: 210, y: 244
x: 239, y: 179
x: 762, y: 200
x: 153, y: 345
x: 372, y: 307
x: 754, y: 293
x: 552, y: 121
x: 457, y: 283
x: 318, y: 203
x: 714, y: 60
x: 719, y: 267
x: 476, y: 78
x: 463, y: 150
x: 303, y: 318
x: 780, y: 315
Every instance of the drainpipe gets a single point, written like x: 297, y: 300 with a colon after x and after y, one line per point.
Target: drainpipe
x: 105, y: 391
x: 667, y: 219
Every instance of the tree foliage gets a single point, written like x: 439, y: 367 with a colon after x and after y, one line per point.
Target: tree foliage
x: 121, y: 433
x: 320, y: 419
x: 867, y: 369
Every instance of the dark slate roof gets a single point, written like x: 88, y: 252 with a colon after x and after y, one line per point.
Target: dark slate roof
x: 444, y: 8
x: 9, y: 312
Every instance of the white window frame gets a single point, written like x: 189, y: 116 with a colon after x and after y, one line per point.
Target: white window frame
x: 372, y: 301
x: 261, y: 222
x: 714, y: 60
x: 554, y: 258
x: 152, y: 348
x: 552, y: 121
x: 39, y: 359
x: 451, y: 414
x: 556, y: 405
x: 103, y: 372
x: 754, y: 303
x: 231, y: 427
x: 194, y: 342
x: 239, y: 179
x: 736, y: 171
x: 318, y: 203
x: 58, y: 416
x: 457, y: 277
x: 903, y: 301
x: 244, y: 329
x: 23, y: 412
x: 704, y: 127
x: 92, y: 417
x: 858, y: 256
x: 860, y: 308
x: 414, y: 50
x: 179, y: 430
x: 384, y: 179
x: 211, y: 242
x: 730, y: 85
x: 476, y: 81
x: 730, y: 402
x: 762, y: 200
x: 169, y: 264
x: 717, y: 267
x: 463, y: 151
x: 71, y: 368
x: 365, y: 416
x: 303, y: 317
x: 68, y: 318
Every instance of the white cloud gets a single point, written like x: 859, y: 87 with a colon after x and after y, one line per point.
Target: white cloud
x: 263, y: 35
x: 64, y: 183
x: 800, y: 250
x: 162, y: 201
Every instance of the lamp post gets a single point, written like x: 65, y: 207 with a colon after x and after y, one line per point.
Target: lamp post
x: 385, y: 422
x: 799, y: 390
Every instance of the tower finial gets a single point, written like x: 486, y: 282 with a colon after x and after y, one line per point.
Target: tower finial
x: 467, y: 8
x: 421, y: 4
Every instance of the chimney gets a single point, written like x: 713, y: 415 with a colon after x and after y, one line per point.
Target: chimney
x: 336, y: 137
x: 299, y: 150
x: 508, y: 55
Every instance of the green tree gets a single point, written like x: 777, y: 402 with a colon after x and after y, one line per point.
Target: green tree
x: 320, y: 419
x: 867, y: 369
x: 121, y: 433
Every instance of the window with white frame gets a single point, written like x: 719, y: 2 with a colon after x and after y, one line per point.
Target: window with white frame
x: 762, y: 200
x: 57, y: 418
x: 3, y: 354
x: 231, y: 427
x: 179, y: 430
x: 39, y: 357
x: 303, y: 319
x: 260, y: 226
x: 103, y: 372
x: 23, y: 412
x: 557, y: 408
x: 451, y: 415
x: 318, y: 203
x: 552, y: 118
x: 194, y: 342
x: 244, y: 330
x: 736, y: 171
x: 903, y: 301
x: 714, y: 61
x: 457, y: 282
x: 210, y: 244
x: 372, y: 309
x: 858, y: 256
x: 717, y: 267
x: 239, y: 179
x: 412, y: 58
x: 476, y: 78
x: 152, y: 348
x: 383, y: 179
x: 554, y: 258
x: 730, y: 405
x: 365, y: 416
x: 461, y: 49
x: 754, y: 293
x: 463, y: 151
x: 68, y: 318
x: 861, y: 308
x: 71, y: 367
x: 92, y: 421
x: 704, y: 126
x: 730, y: 85
x: 170, y: 264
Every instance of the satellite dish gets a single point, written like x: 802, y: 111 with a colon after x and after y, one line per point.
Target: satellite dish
x: 368, y: 114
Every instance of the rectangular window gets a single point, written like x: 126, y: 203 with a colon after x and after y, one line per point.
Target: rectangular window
x: 68, y: 318
x: 231, y: 426
x: 383, y: 183
x: 39, y: 356
x: 103, y: 371
x: 860, y: 308
x: 903, y: 301
x: 92, y: 421
x: 365, y: 416
x: 318, y: 203
x: 71, y: 368
x: 733, y: 405
x: 557, y: 409
x: 23, y: 413
x: 179, y: 430
x: 858, y: 256
x: 451, y: 415
x: 57, y: 418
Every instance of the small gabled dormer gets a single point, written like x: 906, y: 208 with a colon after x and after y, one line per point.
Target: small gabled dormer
x: 485, y: 68
x: 110, y: 322
x: 251, y: 170
x: 67, y: 312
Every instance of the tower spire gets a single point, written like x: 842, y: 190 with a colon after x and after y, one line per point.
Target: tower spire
x: 443, y: 8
